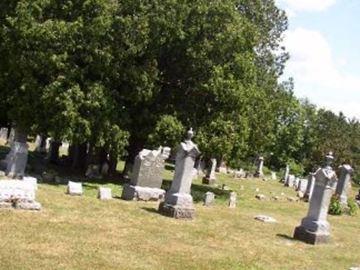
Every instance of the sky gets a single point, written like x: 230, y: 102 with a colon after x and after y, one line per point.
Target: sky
x: 323, y: 40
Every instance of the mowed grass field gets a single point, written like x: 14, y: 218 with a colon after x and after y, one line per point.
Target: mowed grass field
x: 86, y: 233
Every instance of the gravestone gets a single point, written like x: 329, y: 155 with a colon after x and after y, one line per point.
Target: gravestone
x: 290, y: 181
x: 104, y: 193
x: 343, y: 184
x: 302, y: 184
x: 18, y: 194
x: 210, y: 177
x: 286, y: 174
x: 16, y: 159
x: 74, y: 188
x: 93, y: 171
x: 309, y: 187
x: 239, y: 174
x: 314, y: 228
x: 232, y: 200
x: 3, y: 133
x: 273, y: 176
x: 31, y: 180
x: 178, y: 200
x: 296, y: 183
x: 146, y: 178
x: 259, y: 168
x: 209, y: 198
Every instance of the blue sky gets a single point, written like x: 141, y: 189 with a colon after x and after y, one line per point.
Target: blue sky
x: 324, y: 45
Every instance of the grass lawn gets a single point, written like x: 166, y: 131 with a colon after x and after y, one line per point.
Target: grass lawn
x: 86, y: 233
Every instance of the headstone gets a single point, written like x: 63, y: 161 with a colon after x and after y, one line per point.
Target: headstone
x: 146, y: 178
x: 93, y: 171
x: 210, y: 177
x: 302, y: 184
x: 209, y: 198
x: 16, y: 160
x: 343, y: 184
x: 232, y: 200
x: 239, y: 174
x: 273, y: 176
x: 296, y: 183
x: 286, y: 174
x: 74, y: 188
x: 18, y: 194
x: 105, y: 169
x: 201, y: 168
x: 222, y: 168
x: 265, y: 219
x: 314, y: 228
x: 309, y: 187
x: 3, y: 133
x: 31, y: 180
x: 11, y: 137
x: 290, y: 181
x: 104, y: 193
x: 178, y: 200
x: 259, y: 168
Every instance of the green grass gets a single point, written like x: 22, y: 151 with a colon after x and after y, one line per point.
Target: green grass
x: 86, y: 233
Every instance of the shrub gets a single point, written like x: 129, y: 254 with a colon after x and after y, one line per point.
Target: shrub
x: 335, y: 207
x: 352, y: 207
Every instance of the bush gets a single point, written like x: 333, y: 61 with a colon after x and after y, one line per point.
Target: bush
x: 296, y: 168
x: 352, y: 207
x: 335, y: 207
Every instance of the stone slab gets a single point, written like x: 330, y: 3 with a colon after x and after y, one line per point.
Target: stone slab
x: 138, y: 193
x: 16, y: 190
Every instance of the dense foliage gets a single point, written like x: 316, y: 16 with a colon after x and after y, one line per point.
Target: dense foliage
x: 124, y: 75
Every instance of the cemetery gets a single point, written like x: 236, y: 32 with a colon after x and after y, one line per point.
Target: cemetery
x: 176, y: 135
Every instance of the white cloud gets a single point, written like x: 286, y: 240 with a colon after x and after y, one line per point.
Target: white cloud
x: 318, y: 75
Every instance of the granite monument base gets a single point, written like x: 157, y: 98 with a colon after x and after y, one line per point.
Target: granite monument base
x: 310, y: 237
x: 176, y: 211
x: 138, y: 193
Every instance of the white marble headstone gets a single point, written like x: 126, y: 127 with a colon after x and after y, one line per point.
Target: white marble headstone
x: 104, y: 193
x: 74, y: 188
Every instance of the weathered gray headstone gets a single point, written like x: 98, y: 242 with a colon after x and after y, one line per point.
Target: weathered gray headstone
x: 232, y: 200
x: 3, y: 133
x: 74, y: 188
x: 178, y: 200
x: 146, y: 178
x: 309, y: 187
x: 296, y: 183
x: 209, y: 198
x: 314, y: 228
x: 104, y: 193
x: 18, y: 194
x: 343, y: 184
x: 16, y: 160
x: 286, y: 174
x: 259, y: 168
x: 210, y: 177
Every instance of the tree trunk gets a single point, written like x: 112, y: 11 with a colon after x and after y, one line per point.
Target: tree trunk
x: 79, y: 156
x: 54, y: 151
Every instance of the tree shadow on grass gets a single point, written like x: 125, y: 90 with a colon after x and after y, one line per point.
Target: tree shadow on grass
x: 198, y: 191
x: 150, y: 210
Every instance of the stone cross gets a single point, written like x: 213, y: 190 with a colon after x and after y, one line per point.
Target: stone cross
x: 147, y: 176
x: 314, y: 228
x: 209, y: 198
x: 210, y: 177
x: 178, y: 200
x: 232, y: 200
x: 343, y: 184
x: 259, y: 169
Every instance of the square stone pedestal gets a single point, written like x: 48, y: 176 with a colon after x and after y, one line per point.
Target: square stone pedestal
x: 176, y: 211
x: 313, y: 238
